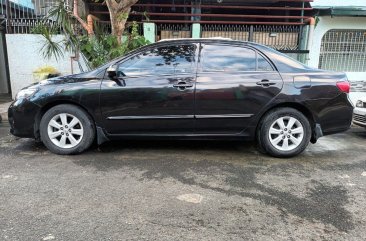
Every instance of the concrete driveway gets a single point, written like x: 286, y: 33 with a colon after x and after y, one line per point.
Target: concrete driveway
x: 155, y: 190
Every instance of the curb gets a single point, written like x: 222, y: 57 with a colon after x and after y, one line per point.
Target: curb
x: 3, y: 117
x: 4, y: 112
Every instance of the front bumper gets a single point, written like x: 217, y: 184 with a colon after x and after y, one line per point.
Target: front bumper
x: 22, y: 118
x: 359, y: 116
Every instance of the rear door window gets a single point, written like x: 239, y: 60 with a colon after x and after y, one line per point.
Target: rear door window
x: 227, y: 58
x: 232, y: 59
x: 263, y: 64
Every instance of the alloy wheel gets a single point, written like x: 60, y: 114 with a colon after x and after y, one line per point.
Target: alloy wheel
x: 286, y: 133
x: 65, y: 130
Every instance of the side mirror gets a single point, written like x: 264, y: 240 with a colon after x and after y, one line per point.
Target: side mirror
x: 112, y: 72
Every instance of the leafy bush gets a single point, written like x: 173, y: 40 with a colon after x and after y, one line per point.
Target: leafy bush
x: 102, y: 48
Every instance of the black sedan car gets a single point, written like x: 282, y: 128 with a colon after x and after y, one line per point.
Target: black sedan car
x: 188, y: 89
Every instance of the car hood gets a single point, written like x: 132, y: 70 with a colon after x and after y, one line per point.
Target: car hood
x: 75, y: 78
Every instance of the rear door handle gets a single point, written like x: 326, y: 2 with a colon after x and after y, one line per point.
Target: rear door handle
x: 265, y: 83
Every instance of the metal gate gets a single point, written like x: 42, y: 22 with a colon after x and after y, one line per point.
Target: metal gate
x: 277, y: 37
x: 173, y: 31
x: 343, y: 50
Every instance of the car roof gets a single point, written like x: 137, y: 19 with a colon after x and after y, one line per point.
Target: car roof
x: 213, y: 40
x: 205, y: 40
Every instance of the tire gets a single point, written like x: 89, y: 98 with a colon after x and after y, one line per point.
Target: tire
x: 284, y: 132
x: 67, y: 129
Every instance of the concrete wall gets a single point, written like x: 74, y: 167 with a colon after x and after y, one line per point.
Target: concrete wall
x: 25, y: 56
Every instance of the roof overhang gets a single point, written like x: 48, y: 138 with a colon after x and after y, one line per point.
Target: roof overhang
x: 341, y: 11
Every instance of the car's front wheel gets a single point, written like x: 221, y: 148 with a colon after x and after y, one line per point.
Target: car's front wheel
x: 284, y: 132
x: 67, y: 129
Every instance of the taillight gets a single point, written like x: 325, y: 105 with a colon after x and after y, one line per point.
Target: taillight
x: 344, y: 86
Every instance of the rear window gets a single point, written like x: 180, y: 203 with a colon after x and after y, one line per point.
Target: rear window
x: 284, y: 63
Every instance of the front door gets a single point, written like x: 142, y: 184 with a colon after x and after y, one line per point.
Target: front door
x: 233, y: 84
x: 154, y: 93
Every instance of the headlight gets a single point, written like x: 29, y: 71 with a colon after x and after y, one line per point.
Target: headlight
x: 25, y: 93
x: 359, y: 103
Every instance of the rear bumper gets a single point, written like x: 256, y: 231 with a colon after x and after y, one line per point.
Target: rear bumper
x: 336, y: 115
x: 359, y: 117
x: 22, y: 115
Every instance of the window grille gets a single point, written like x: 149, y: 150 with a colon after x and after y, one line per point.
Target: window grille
x: 343, y: 50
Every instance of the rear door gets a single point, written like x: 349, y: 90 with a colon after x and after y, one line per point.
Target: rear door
x: 233, y: 84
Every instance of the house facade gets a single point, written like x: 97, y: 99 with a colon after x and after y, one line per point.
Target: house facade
x: 326, y: 34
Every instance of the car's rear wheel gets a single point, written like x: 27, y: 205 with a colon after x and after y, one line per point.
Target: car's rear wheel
x: 67, y: 129
x: 284, y: 132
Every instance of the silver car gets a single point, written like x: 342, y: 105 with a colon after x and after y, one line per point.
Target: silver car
x: 359, y: 113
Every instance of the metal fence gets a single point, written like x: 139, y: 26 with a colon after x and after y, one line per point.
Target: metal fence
x: 27, y: 9
x: 278, y: 37
x: 172, y: 31
x: 23, y: 16
x: 235, y: 32
x: 285, y: 37
x: 343, y: 50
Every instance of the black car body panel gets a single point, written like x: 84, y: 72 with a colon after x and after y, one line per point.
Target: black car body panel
x: 198, y: 101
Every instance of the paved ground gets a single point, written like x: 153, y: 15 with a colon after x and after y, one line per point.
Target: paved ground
x: 183, y: 191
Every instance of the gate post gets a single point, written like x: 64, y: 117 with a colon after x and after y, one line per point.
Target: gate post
x: 149, y: 31
x: 196, y: 30
x: 304, y: 32
x: 5, y: 86
x: 251, y: 33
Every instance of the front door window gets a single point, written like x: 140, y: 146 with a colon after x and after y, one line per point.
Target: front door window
x: 169, y: 60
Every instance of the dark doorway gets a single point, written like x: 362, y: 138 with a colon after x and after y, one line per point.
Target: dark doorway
x: 4, y: 70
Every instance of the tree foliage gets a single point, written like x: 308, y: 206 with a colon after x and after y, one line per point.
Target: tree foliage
x: 118, y: 12
x: 104, y: 47
x: 98, y: 47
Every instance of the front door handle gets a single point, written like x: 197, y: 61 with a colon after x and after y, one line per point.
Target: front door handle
x: 182, y: 85
x: 265, y: 83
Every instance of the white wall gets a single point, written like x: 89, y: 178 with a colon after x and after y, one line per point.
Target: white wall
x: 339, y: 3
x: 24, y: 56
x: 327, y: 23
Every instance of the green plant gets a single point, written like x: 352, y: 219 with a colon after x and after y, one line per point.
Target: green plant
x: 101, y: 48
